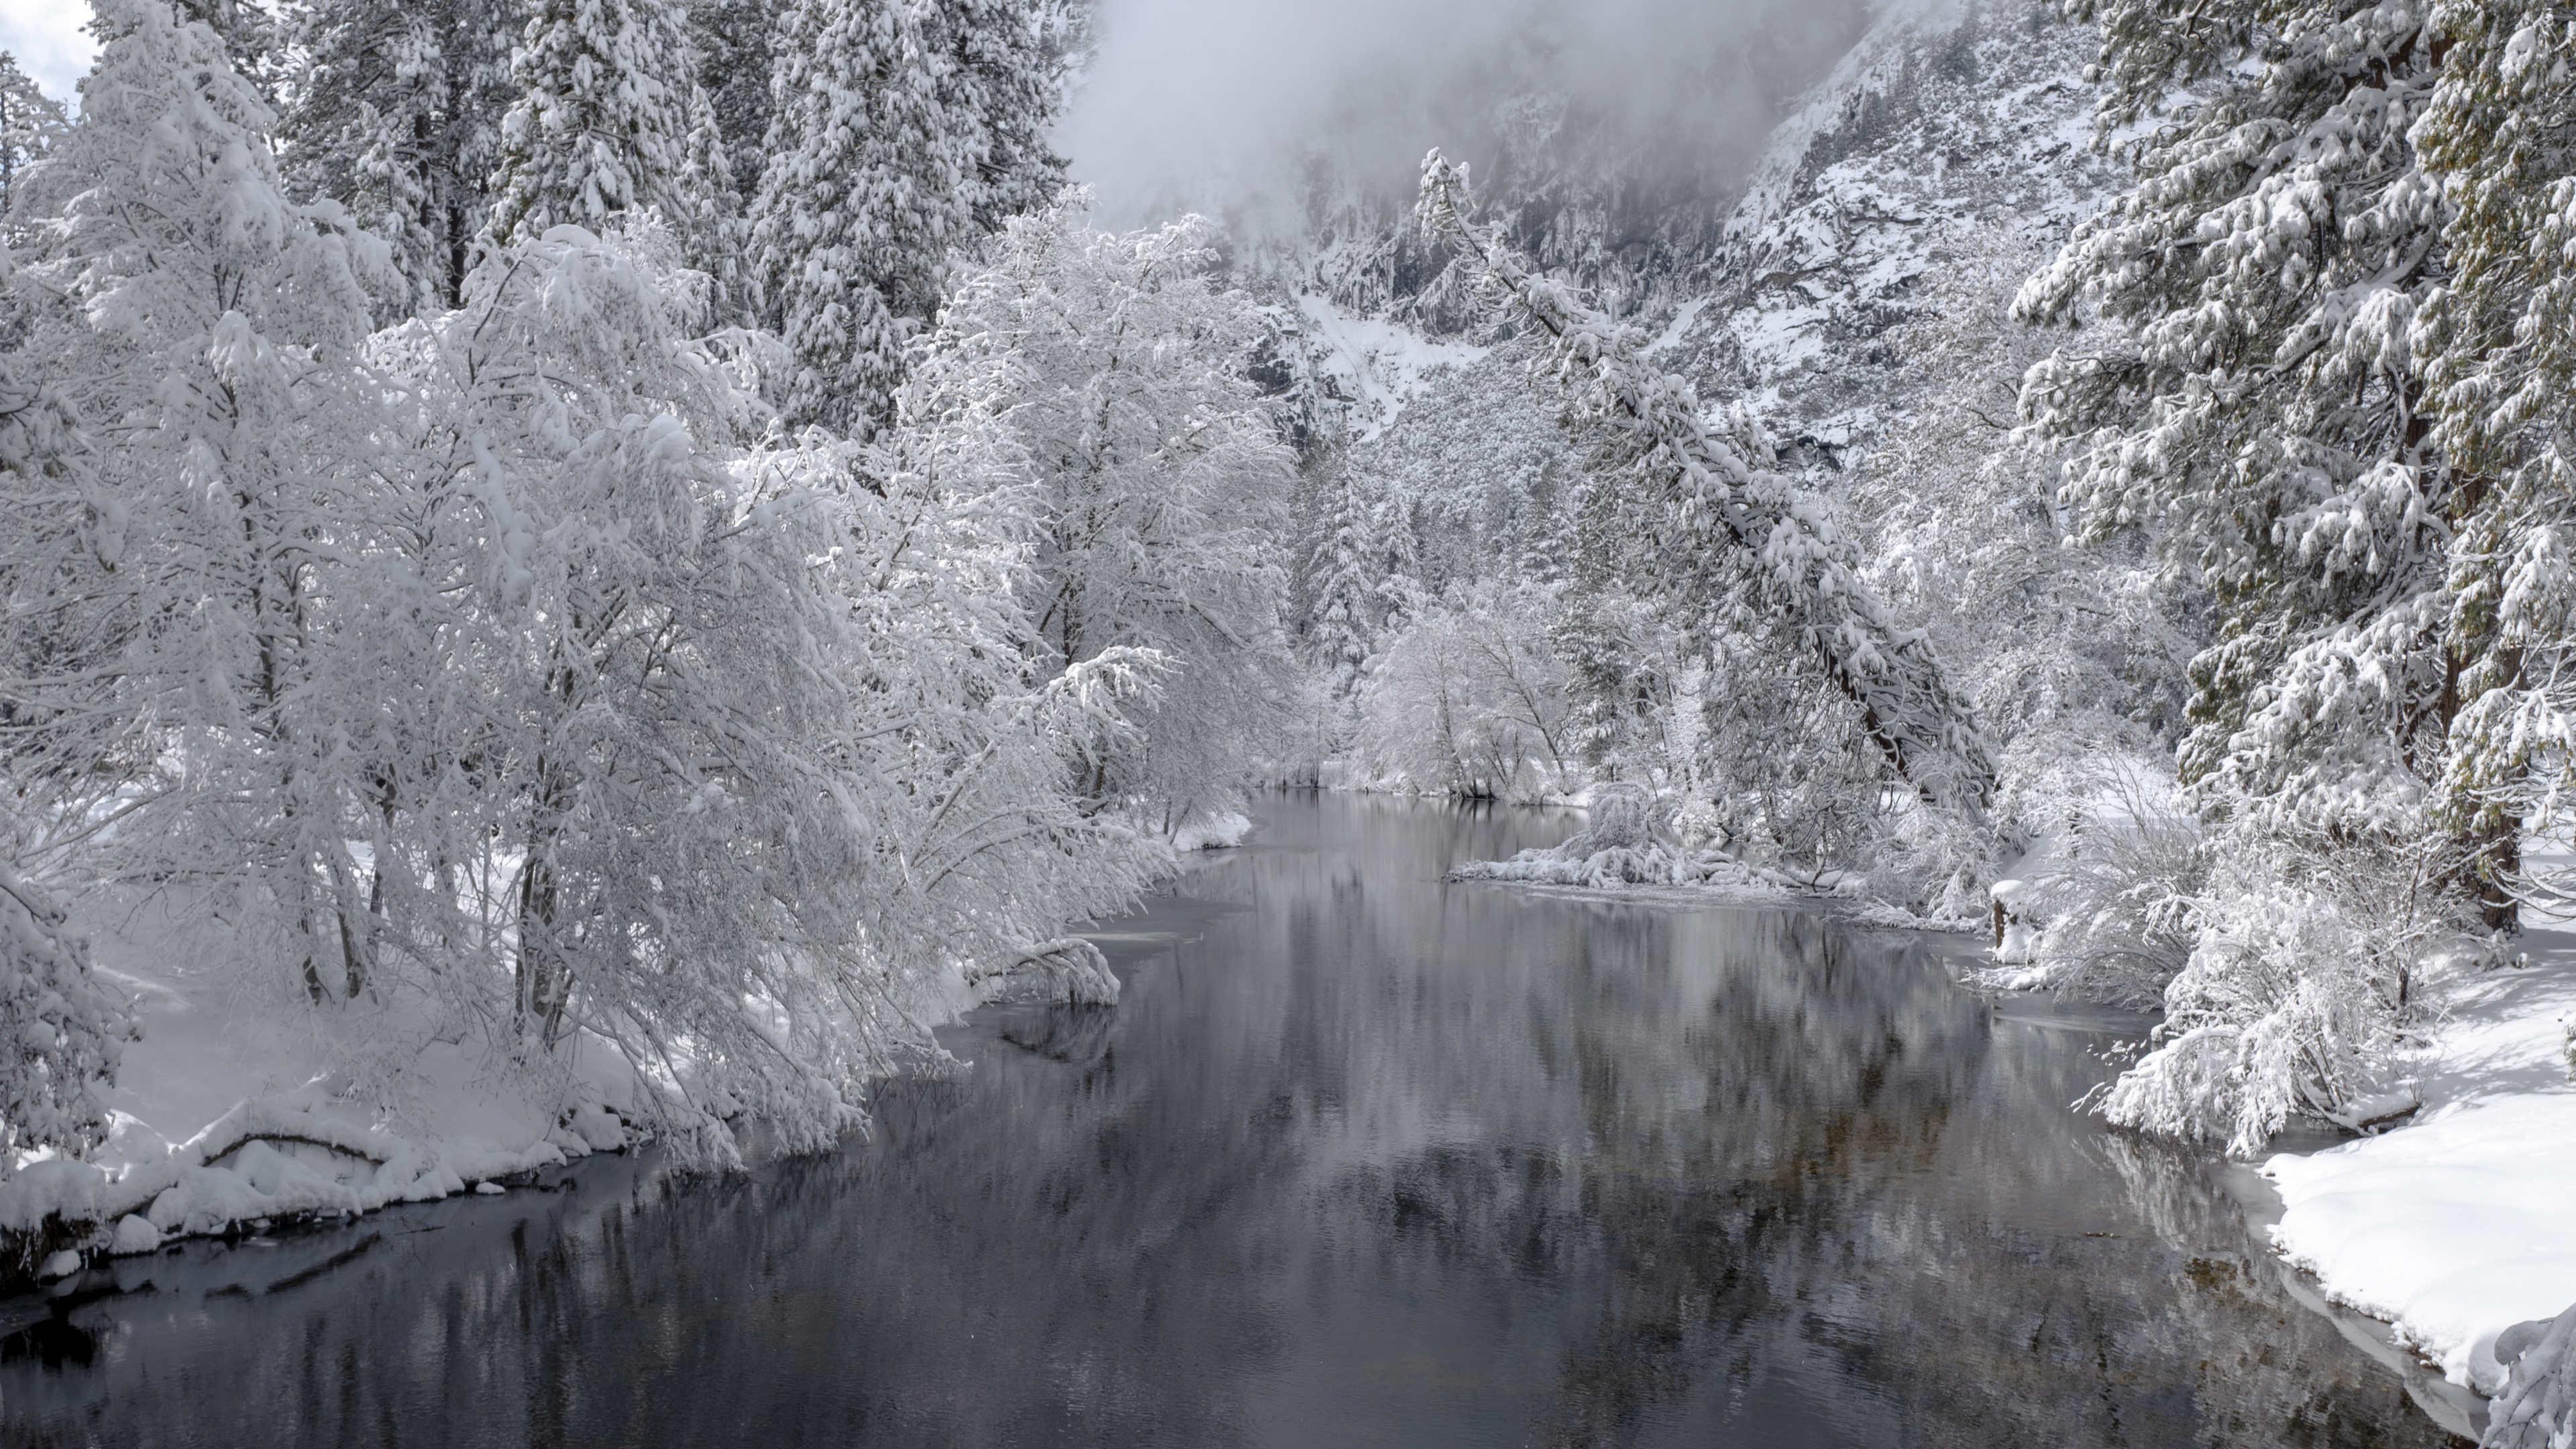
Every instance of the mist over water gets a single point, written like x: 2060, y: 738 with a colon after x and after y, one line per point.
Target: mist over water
x: 1247, y: 110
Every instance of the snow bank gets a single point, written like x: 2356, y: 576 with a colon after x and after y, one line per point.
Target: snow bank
x: 1222, y: 831
x: 226, y: 1115
x: 1625, y: 853
x: 2462, y: 1223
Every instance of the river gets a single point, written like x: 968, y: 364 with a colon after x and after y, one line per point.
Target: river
x: 1362, y: 1158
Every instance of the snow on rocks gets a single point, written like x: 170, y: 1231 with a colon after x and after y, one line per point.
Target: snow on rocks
x: 2456, y: 1227
x: 2537, y: 1409
x: 134, y: 1235
x: 1221, y: 831
x: 223, y: 1120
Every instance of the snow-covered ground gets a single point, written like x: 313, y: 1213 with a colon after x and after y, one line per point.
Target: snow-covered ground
x: 231, y: 1111
x: 2463, y: 1222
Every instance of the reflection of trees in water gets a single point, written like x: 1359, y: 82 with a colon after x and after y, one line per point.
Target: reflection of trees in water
x: 1579, y: 1173
x: 1875, y: 1188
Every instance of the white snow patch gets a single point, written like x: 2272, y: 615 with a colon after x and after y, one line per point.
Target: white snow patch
x: 2463, y: 1222
x: 1381, y: 363
x: 1221, y: 831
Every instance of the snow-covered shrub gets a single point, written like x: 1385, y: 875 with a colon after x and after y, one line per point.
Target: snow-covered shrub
x: 1628, y: 842
x: 2301, y: 992
x: 2103, y: 909
x: 61, y: 1029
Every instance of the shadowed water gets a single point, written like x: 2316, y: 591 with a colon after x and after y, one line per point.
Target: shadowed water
x: 1361, y: 1159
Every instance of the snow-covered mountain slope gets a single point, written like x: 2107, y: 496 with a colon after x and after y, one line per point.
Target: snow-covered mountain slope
x: 1949, y: 128
x: 1946, y: 119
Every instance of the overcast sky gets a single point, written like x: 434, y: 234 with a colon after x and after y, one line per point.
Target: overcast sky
x: 1210, y: 97
x: 47, y: 38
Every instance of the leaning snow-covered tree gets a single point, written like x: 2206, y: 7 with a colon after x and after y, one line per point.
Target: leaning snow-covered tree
x: 1120, y: 364
x: 1734, y: 544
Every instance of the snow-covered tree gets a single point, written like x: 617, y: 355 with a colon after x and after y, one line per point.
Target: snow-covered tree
x: 748, y: 768
x: 31, y: 122
x: 899, y: 129
x: 601, y: 125
x: 862, y: 197
x: 2499, y: 361
x: 1470, y: 702
x: 394, y: 111
x: 1119, y: 362
x: 1360, y: 578
x: 2259, y: 409
x: 65, y: 1029
x: 1715, y: 535
x: 1004, y: 85
x: 208, y: 332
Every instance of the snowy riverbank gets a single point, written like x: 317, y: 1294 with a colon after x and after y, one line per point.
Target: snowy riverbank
x: 2459, y: 1224
x: 238, y: 1108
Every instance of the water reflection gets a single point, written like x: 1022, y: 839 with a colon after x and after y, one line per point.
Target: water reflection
x: 1361, y: 1159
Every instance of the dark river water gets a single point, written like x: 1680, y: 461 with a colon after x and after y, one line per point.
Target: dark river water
x: 1362, y: 1159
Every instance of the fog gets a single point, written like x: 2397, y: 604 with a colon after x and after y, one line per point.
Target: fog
x: 1224, y: 104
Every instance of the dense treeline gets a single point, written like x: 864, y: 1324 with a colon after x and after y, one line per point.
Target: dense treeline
x: 615, y: 521
x: 498, y: 563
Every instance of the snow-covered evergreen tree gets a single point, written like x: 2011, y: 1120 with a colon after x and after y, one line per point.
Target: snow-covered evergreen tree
x: 2498, y: 353
x: 1004, y: 85
x: 66, y: 1030
x: 864, y: 192
x: 2261, y: 412
x: 395, y: 111
x: 601, y: 127
x: 31, y: 122
x: 899, y: 129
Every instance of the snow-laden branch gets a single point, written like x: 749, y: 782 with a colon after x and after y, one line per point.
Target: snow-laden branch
x: 1706, y: 513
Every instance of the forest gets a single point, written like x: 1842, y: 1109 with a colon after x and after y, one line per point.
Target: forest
x: 678, y: 532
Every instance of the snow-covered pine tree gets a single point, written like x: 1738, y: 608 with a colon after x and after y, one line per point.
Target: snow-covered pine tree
x: 1344, y: 620
x: 212, y: 330
x: 601, y: 126
x: 2261, y: 412
x: 708, y: 207
x: 1731, y: 543
x: 1120, y: 364
x: 733, y: 40
x: 31, y: 122
x: 394, y: 111
x: 1005, y: 84
x: 2498, y: 352
x: 865, y: 190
